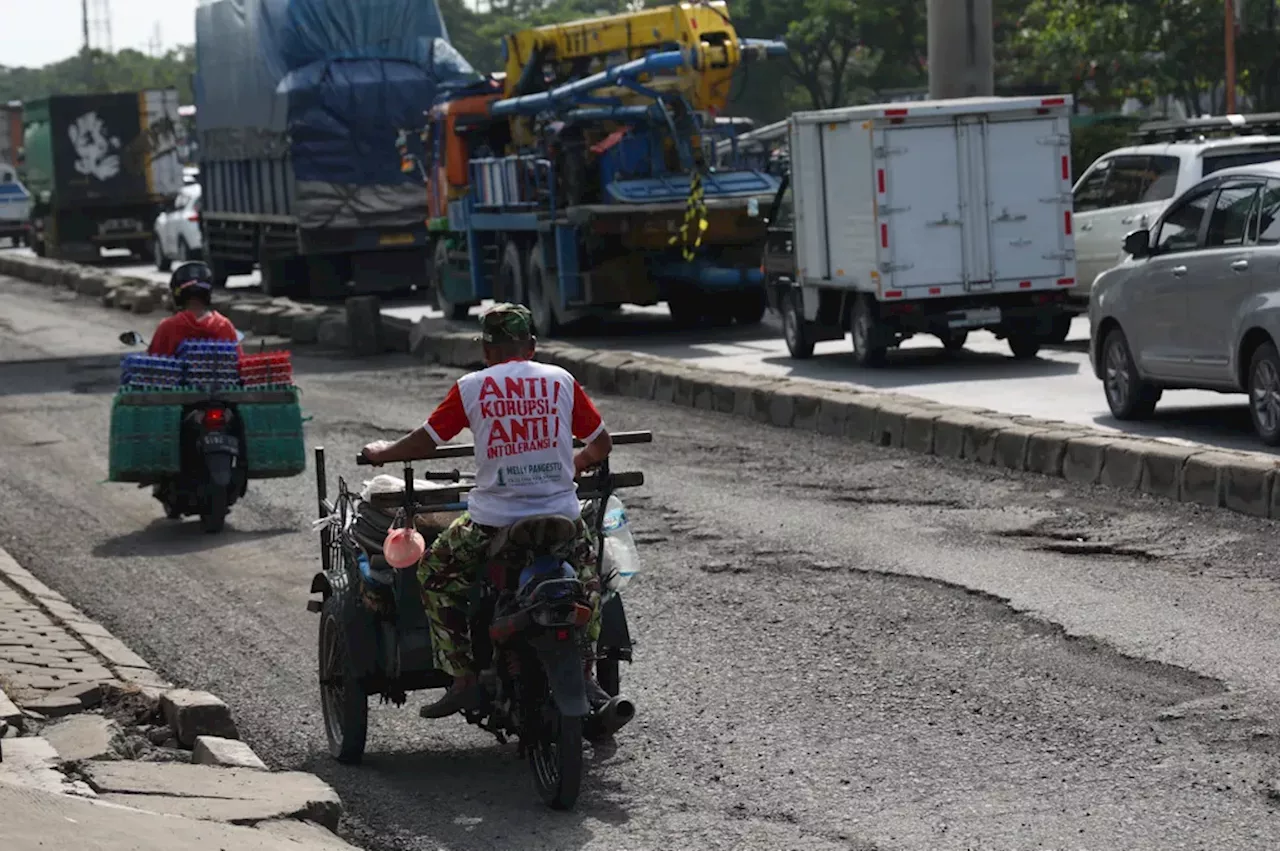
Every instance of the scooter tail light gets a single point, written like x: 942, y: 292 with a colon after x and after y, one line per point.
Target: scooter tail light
x: 215, y: 418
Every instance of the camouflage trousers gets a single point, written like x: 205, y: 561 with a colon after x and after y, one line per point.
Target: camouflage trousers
x: 449, y: 571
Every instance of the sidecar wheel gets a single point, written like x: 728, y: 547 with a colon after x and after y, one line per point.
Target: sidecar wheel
x: 609, y: 676
x: 343, y: 703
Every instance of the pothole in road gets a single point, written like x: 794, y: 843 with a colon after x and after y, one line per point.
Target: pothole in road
x: 1144, y: 538
x: 1074, y: 543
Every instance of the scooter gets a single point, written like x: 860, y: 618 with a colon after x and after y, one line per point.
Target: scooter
x: 212, y: 474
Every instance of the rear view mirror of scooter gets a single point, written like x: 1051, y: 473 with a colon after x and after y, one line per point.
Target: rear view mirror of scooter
x: 131, y: 338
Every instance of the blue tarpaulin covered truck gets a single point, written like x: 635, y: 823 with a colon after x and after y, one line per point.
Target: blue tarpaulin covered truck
x: 299, y: 106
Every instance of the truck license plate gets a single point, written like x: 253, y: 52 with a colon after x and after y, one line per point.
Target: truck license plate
x: 111, y: 226
x: 978, y: 318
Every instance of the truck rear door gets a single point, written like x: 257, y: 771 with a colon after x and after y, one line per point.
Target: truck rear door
x: 919, y: 208
x: 1029, y: 197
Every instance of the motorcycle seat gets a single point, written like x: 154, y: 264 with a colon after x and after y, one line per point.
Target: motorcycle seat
x: 540, y: 533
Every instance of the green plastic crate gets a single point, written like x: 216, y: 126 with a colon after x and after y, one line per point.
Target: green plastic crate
x: 274, y: 445
x: 145, y: 441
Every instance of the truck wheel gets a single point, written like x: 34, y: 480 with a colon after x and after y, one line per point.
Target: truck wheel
x: 163, y: 264
x: 868, y: 350
x: 1059, y: 330
x: 542, y: 298
x: 439, y: 263
x: 1025, y: 345
x: 795, y: 331
x: 686, y: 309
x: 749, y: 307
x: 219, y: 269
x: 513, y: 280
x: 275, y: 276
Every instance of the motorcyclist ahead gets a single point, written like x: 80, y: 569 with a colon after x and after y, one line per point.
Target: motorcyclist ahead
x: 524, y: 416
x: 191, y: 286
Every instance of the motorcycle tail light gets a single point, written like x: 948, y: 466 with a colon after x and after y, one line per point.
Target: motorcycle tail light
x: 215, y: 418
x: 562, y: 635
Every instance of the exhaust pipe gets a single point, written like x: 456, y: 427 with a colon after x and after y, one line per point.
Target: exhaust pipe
x: 615, y: 714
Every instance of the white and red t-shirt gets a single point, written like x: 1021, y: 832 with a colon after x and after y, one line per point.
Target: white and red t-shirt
x: 524, y: 416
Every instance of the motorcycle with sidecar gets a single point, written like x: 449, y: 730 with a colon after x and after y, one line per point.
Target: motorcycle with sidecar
x: 526, y: 621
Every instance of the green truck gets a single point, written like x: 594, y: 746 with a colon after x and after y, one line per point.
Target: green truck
x: 100, y: 168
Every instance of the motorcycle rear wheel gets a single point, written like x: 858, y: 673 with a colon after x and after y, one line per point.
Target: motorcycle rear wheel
x: 556, y: 760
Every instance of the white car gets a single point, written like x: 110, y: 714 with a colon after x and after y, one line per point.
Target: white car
x: 1128, y: 188
x: 177, y: 230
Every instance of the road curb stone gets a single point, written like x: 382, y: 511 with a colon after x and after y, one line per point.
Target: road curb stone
x: 45, y: 616
x: 1242, y: 482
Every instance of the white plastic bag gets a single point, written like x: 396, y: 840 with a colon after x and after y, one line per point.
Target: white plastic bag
x: 621, y: 558
x: 384, y: 484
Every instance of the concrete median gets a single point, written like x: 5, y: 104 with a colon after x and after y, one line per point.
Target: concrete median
x: 1244, y: 482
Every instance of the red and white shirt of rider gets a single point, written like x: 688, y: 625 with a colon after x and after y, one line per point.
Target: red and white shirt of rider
x: 523, y: 416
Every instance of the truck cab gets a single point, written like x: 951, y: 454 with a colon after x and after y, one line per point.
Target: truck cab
x: 15, y: 206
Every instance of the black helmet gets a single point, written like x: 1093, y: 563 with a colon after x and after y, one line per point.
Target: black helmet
x: 194, y: 276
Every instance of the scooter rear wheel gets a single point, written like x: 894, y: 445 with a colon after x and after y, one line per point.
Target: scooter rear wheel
x: 214, y: 515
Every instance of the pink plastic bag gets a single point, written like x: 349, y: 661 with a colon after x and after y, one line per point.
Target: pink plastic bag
x: 404, y: 546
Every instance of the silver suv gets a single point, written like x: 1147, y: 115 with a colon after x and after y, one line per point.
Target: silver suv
x: 1196, y: 304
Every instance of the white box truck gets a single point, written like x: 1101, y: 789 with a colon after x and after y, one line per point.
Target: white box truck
x: 936, y: 217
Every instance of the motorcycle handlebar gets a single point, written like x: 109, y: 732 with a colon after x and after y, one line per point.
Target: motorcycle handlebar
x: 463, y: 450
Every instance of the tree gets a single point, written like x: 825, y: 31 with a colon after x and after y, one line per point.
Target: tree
x: 125, y: 71
x: 828, y: 55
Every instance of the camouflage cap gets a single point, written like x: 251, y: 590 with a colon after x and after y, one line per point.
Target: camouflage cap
x: 506, y: 323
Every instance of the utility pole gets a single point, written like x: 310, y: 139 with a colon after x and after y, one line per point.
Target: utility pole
x: 87, y: 56
x: 961, y: 49
x: 1229, y: 28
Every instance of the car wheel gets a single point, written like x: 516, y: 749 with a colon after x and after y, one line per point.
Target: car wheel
x: 1264, y: 393
x: 1128, y: 396
x: 164, y: 264
x: 184, y: 253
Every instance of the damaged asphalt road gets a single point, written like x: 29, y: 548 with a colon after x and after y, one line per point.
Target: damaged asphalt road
x: 841, y: 646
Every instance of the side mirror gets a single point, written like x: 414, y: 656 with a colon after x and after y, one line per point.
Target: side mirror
x: 1137, y: 243
x: 131, y: 338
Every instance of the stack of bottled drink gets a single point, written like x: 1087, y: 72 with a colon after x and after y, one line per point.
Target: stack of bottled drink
x: 152, y: 372
x: 211, y: 364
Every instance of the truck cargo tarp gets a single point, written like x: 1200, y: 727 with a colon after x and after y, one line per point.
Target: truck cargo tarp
x: 329, y: 83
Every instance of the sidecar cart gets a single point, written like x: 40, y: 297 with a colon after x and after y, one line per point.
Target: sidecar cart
x: 374, y: 638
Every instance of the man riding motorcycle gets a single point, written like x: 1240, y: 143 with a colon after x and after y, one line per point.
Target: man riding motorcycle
x: 524, y: 416
x: 191, y: 286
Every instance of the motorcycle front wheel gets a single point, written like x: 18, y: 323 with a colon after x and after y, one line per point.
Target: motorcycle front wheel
x: 556, y: 760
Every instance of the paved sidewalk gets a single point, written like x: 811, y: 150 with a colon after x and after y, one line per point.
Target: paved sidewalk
x: 48, y: 647
x: 98, y: 753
